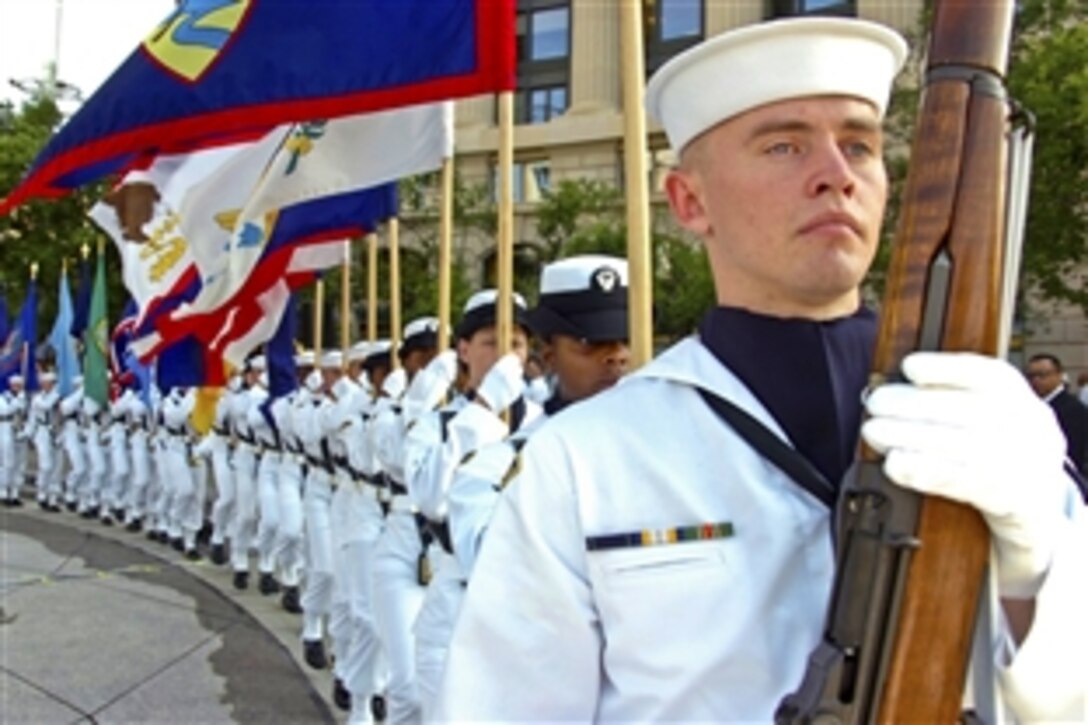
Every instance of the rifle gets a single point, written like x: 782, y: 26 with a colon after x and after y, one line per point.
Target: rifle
x: 911, y: 569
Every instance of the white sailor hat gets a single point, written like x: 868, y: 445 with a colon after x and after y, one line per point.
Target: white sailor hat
x: 304, y: 359
x: 778, y: 60
x: 77, y: 381
x: 18, y: 379
x: 47, y: 377
x: 584, y: 297
x: 358, y: 351
x: 378, y: 355
x: 479, y: 313
x: 257, y: 362
x: 419, y: 334
x: 332, y: 360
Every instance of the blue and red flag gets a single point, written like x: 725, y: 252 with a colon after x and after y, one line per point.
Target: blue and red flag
x: 218, y: 70
x: 18, y: 356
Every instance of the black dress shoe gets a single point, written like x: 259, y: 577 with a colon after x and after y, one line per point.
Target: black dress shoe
x: 378, y: 709
x: 290, y: 600
x: 52, y: 508
x: 340, y: 695
x: 313, y: 651
x: 134, y: 526
x: 204, y: 535
x: 107, y: 521
x: 88, y: 514
x: 152, y: 535
x: 268, y: 584
x: 72, y: 506
x: 16, y: 502
x: 218, y: 554
x: 118, y: 514
x: 241, y: 580
x: 193, y: 555
x: 9, y: 502
x: 177, y: 544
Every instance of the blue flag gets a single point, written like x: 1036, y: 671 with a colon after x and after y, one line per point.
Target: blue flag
x: 5, y: 320
x: 82, y: 308
x: 215, y: 71
x: 61, y: 340
x: 18, y: 356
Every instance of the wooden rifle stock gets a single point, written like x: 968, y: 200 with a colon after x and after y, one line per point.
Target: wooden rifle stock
x: 910, y: 568
x: 954, y: 210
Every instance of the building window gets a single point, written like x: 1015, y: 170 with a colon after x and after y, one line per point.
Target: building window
x: 670, y: 26
x: 784, y: 8
x: 543, y: 50
x: 546, y: 103
x: 680, y: 19
x: 549, y: 32
x: 532, y: 179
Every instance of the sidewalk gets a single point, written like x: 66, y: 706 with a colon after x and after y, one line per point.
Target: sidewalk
x: 103, y: 625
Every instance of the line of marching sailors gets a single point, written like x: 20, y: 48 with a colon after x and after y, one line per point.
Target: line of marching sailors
x: 364, y: 492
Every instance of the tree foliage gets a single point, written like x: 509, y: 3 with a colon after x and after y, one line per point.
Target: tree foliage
x: 587, y: 217
x: 46, y: 232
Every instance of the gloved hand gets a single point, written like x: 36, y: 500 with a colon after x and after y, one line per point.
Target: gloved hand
x: 970, y: 429
x: 444, y: 366
x: 503, y: 383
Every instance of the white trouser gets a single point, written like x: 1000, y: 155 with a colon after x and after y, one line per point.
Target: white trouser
x: 120, y: 476
x: 77, y: 461
x: 183, y: 512
x: 268, y: 472
x: 90, y: 496
x: 43, y: 447
x: 355, y: 539
x: 225, y: 495
x: 434, y: 625
x: 245, y: 507
x: 9, y: 483
x: 317, y: 591
x: 288, y: 548
x: 398, y: 597
x: 141, y: 476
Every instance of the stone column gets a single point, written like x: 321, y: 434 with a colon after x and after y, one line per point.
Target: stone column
x: 595, y: 56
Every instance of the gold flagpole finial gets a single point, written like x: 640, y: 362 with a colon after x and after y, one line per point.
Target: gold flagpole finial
x: 85, y: 250
x: 33, y: 270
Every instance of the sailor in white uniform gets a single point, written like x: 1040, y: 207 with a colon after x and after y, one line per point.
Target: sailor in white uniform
x: 71, y: 435
x: 41, y: 430
x: 138, y: 421
x: 646, y: 563
x: 10, y: 482
x: 436, y: 441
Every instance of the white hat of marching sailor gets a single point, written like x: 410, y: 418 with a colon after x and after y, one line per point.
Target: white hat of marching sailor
x: 47, y: 377
x: 358, y: 351
x: 331, y: 360
x: 257, y: 362
x: 304, y: 359
x: 778, y: 60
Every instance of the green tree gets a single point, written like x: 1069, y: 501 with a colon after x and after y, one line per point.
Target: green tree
x: 587, y: 217
x: 44, y: 231
x: 1048, y: 75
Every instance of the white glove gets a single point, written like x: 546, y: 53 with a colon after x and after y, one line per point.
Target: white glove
x: 503, y: 384
x: 970, y: 429
x: 444, y: 367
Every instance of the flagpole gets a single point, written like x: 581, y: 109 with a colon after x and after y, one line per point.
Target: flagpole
x: 504, y: 264
x: 319, y: 303
x: 640, y: 282
x: 445, y: 248
x: 394, y: 290
x: 24, y: 362
x: 372, y: 287
x: 345, y: 305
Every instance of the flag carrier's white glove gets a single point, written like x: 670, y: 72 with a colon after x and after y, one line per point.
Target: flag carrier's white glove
x: 969, y: 428
x: 503, y: 383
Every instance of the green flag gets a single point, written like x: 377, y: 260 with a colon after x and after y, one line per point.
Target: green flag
x: 96, y: 339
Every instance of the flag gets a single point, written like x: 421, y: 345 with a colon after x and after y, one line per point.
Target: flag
x: 215, y: 69
x: 5, y: 321
x: 61, y: 340
x: 96, y: 340
x: 280, y: 353
x: 306, y: 238
x: 83, y: 300
x: 18, y: 356
x: 292, y: 166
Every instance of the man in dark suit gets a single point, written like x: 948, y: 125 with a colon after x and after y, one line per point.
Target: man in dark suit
x: 1044, y: 372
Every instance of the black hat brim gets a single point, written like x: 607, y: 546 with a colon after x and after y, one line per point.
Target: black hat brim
x: 601, y: 325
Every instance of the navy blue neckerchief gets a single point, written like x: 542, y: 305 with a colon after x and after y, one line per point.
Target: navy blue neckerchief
x: 809, y: 375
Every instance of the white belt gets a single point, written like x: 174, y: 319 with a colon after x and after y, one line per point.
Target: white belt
x: 402, y: 504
